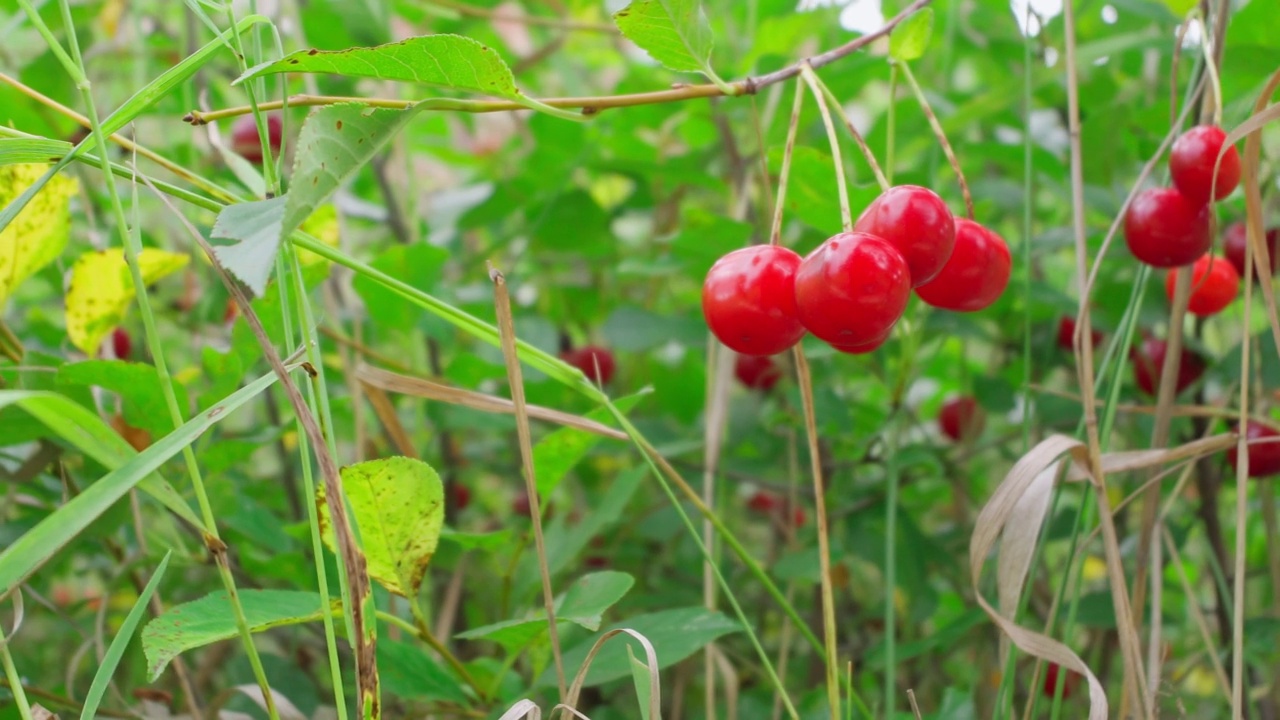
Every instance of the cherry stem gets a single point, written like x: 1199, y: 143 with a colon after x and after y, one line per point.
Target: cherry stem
x: 857, y: 136
x: 891, y: 123
x: 940, y: 135
x: 842, y: 187
x: 775, y: 232
x: 1211, y: 67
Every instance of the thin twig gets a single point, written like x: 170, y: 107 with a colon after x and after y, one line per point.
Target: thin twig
x: 590, y: 105
x: 940, y: 135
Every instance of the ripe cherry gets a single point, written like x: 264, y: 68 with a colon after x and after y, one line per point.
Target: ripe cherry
x: 121, y: 344
x: 1148, y: 360
x: 975, y: 275
x: 1214, y: 284
x: 757, y: 372
x: 244, y: 137
x: 1191, y: 164
x: 866, y: 347
x: 1235, y: 239
x: 595, y: 362
x: 851, y: 289
x: 749, y: 300
x: 1067, y: 334
x: 1163, y: 228
x: 764, y: 501
x: 961, y: 418
x: 1264, y: 457
x: 1051, y: 674
x: 460, y: 496
x: 916, y: 222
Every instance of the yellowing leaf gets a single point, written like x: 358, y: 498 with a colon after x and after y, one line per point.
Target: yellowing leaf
x: 323, y: 226
x: 1094, y: 570
x: 39, y: 233
x: 398, y: 505
x: 101, y: 289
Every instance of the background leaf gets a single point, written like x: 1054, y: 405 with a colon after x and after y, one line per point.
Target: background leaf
x: 908, y: 41
x: 674, y: 32
x: 101, y: 289
x: 39, y: 233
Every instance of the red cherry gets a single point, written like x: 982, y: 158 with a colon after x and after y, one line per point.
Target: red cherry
x: 595, y: 362
x: 1214, y: 284
x: 757, y: 372
x: 596, y: 562
x: 1235, y: 239
x: 121, y: 344
x: 852, y: 289
x: 764, y: 501
x: 961, y: 418
x: 916, y: 222
x: 522, y: 506
x: 1148, y: 359
x: 863, y: 348
x: 975, y: 275
x: 798, y: 517
x: 1264, y: 457
x: 1051, y: 681
x: 1191, y: 164
x: 749, y: 300
x: 1164, y: 229
x: 244, y: 137
x: 1067, y: 334
x: 460, y: 496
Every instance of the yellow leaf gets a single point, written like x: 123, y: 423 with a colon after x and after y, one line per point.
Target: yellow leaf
x: 108, y: 19
x: 101, y: 289
x: 1200, y: 681
x: 323, y: 226
x: 38, y: 234
x: 1094, y: 570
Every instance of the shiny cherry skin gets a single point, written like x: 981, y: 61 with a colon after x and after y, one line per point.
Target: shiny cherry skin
x: 1165, y: 229
x: 244, y: 137
x: 863, y: 348
x: 757, y: 372
x: 1214, y: 284
x: 1191, y: 164
x: 975, y: 275
x: 595, y: 362
x: 749, y: 300
x: 1051, y: 674
x: 121, y: 344
x: 916, y: 222
x: 1067, y: 334
x: 1264, y: 457
x: 1148, y: 360
x: 1235, y: 239
x: 852, y: 289
x: 961, y: 418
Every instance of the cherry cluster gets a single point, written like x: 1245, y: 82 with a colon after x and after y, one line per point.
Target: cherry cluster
x: 851, y: 290
x: 1170, y: 227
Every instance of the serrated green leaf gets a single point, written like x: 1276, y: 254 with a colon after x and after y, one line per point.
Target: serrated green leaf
x: 908, y: 41
x: 676, y: 33
x: 336, y: 142
x: 398, y: 504
x: 210, y: 619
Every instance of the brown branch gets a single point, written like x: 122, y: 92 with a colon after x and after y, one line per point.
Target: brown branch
x: 588, y: 105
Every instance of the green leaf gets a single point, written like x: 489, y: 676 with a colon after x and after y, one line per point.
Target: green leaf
x: 16, y: 151
x: 408, y: 672
x: 487, y: 542
x: 556, y: 454
x: 584, y: 604
x: 908, y: 41
x: 107, y: 667
x: 336, y: 142
x: 641, y: 676
x: 675, y: 635
x: 1180, y: 8
x: 85, y: 431
x: 39, y: 233
x: 137, y: 385
x: 398, y: 505
x: 210, y: 619
x: 674, y: 32
x: 446, y: 61
x: 36, y: 546
x: 419, y: 265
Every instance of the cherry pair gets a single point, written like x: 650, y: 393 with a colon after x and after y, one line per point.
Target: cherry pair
x: 1169, y: 227
x: 851, y: 290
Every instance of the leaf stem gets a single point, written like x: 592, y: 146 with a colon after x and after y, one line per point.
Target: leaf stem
x: 867, y: 155
x: 891, y: 123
